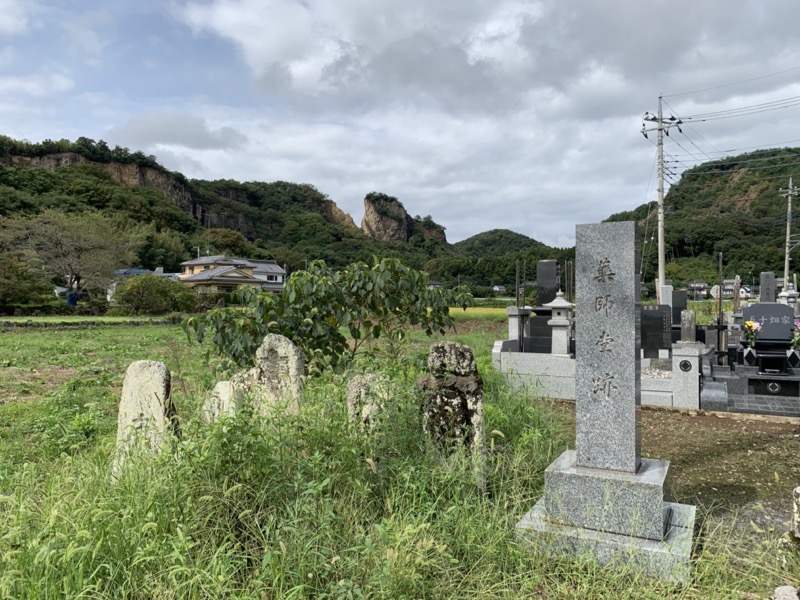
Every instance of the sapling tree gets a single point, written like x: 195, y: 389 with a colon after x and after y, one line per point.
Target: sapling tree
x: 331, y: 314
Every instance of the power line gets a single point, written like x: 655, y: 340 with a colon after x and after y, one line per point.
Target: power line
x: 746, y: 111
x: 724, y: 85
x: 772, y: 144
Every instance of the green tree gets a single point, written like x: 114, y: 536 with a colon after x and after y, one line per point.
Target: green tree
x: 80, y: 250
x: 317, y: 303
x: 154, y: 295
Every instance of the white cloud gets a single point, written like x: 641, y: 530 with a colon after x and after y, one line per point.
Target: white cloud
x: 15, y: 15
x: 174, y: 129
x: 43, y: 85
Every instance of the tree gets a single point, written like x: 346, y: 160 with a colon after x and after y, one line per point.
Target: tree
x: 368, y: 302
x: 82, y: 250
x: 154, y: 295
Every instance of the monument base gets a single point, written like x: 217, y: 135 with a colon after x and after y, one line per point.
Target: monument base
x: 666, y: 559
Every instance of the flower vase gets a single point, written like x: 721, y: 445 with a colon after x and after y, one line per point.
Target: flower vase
x: 793, y: 358
x: 749, y: 356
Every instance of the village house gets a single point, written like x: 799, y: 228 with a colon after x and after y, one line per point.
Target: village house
x: 223, y: 274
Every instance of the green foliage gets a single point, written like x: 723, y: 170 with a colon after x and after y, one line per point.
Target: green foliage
x: 81, y: 251
x: 154, y: 295
x: 320, y: 306
x: 720, y: 206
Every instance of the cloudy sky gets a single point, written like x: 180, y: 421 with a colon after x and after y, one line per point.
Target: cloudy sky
x: 517, y: 114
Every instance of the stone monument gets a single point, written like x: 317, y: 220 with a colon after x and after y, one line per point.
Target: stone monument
x: 452, y: 409
x: 603, y: 499
x: 146, y: 420
x: 768, y: 288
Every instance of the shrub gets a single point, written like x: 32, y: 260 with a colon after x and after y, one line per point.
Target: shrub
x: 154, y: 295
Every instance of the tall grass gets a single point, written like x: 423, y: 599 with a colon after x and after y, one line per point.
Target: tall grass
x: 305, y: 506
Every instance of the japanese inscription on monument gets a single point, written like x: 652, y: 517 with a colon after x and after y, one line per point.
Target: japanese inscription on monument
x: 607, y: 330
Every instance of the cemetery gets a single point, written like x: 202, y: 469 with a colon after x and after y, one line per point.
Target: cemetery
x: 686, y: 366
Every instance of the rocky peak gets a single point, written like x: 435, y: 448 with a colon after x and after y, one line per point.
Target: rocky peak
x: 334, y: 214
x: 385, y: 218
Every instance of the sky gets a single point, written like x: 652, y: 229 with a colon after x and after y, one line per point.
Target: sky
x: 515, y: 114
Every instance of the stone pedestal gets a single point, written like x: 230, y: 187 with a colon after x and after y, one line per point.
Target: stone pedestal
x: 686, y: 364
x: 515, y: 315
x: 602, y: 499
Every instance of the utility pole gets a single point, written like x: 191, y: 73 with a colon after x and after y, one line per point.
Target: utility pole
x: 661, y: 128
x: 788, y: 193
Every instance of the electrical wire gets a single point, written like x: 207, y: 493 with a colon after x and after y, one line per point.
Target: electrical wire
x: 724, y: 85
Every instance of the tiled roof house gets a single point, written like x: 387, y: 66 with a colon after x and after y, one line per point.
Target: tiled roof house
x: 223, y: 274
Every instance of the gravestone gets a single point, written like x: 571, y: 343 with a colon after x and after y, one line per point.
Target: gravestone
x: 737, y: 294
x: 679, y: 304
x: 548, y: 281
x: 777, y: 320
x: 146, y: 419
x: 603, y: 499
x: 453, y: 406
x: 277, y: 377
x: 768, y: 288
x: 223, y: 401
x: 367, y: 395
x: 688, y: 326
x: 656, y: 329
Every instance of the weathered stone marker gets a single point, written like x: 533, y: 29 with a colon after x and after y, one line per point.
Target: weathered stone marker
x: 796, y: 513
x: 147, y: 418
x: 603, y: 499
x: 366, y: 397
x: 688, y: 326
x: 453, y: 406
x: 276, y: 378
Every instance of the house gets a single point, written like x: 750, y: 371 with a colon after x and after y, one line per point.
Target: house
x: 499, y: 289
x: 697, y: 289
x: 223, y: 274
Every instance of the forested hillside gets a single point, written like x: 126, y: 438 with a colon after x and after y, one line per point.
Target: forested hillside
x: 160, y: 219
x: 731, y: 206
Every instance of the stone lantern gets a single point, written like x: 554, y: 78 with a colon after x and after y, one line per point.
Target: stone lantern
x: 560, y: 322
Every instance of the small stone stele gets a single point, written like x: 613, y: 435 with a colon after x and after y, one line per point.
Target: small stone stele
x: 796, y: 513
x: 223, y: 401
x: 453, y: 405
x: 147, y: 418
x: 366, y: 397
x: 276, y: 378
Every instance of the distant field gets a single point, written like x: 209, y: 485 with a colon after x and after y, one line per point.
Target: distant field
x: 79, y: 319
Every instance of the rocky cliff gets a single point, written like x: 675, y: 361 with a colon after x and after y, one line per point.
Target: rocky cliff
x: 334, y: 214
x: 238, y: 216
x: 129, y: 175
x: 385, y: 218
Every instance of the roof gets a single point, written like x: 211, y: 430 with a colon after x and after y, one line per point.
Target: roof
x: 226, y: 273
x: 258, y: 265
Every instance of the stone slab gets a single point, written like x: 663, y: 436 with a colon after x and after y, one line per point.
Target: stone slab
x: 612, y: 501
x: 668, y: 559
x: 607, y: 346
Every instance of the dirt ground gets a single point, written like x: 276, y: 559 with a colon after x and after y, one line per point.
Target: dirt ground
x: 726, y: 464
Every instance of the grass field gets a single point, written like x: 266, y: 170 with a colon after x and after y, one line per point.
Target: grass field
x: 292, y: 506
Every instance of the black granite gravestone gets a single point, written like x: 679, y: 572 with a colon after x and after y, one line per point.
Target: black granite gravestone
x: 777, y: 320
x: 548, y: 278
x: 656, y: 329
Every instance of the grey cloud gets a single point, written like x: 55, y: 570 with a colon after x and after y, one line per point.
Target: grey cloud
x: 145, y: 130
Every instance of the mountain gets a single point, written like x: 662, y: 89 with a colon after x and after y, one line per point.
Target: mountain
x: 288, y: 222
x: 731, y: 205
x: 496, y: 242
